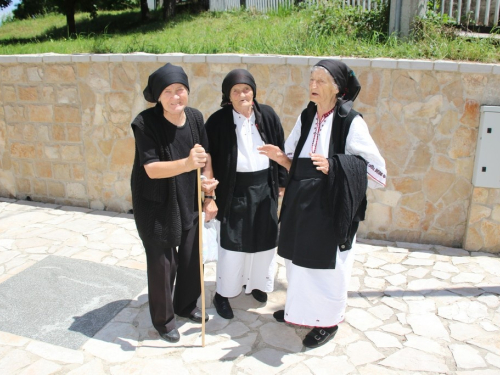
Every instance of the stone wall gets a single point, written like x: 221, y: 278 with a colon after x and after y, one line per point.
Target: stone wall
x: 65, y: 134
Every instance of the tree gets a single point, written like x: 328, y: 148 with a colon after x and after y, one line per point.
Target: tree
x: 144, y: 10
x: 5, y: 3
x: 168, y: 9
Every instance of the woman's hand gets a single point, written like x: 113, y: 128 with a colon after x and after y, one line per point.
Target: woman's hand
x: 197, y: 157
x: 210, y: 208
x: 276, y: 154
x: 208, y: 185
x: 320, y: 162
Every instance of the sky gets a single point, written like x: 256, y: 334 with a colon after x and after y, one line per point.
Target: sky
x: 8, y: 9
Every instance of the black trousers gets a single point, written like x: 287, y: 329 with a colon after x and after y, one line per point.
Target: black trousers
x: 164, y: 264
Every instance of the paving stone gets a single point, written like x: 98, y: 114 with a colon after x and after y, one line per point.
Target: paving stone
x: 376, y: 273
x: 478, y: 372
x: 267, y: 361
x: 222, y: 351
x: 211, y: 368
x: 371, y: 369
x: 464, y: 311
x: 383, y: 340
x: 41, y: 367
x: 374, y: 262
x: 363, y: 352
x: 345, y: 335
x: 394, y: 258
x: 441, y: 275
x: 281, y: 336
x: 12, y: 340
x: 464, y: 332
x: 424, y: 254
x: 54, y: 352
x: 410, y: 359
x: 355, y: 300
x: 402, y: 318
x: 451, y: 251
x: 299, y: 369
x: 493, y: 359
x: 354, y: 284
x: 374, y: 283
x: 395, y: 303
x: 138, y: 366
x: 324, y: 366
x: 382, y: 312
x: 394, y: 268
x: 426, y: 345
x: 14, y: 361
x: 490, y: 300
x: 418, y: 262
x: 116, y: 342
x: 467, y: 277
x: 426, y: 286
x: 396, y: 279
x: 428, y: 325
x: 326, y: 349
x: 362, y: 320
x: 234, y: 329
x: 487, y: 326
x: 488, y: 341
x: 466, y: 357
x: 93, y: 367
x: 421, y: 307
x: 418, y: 272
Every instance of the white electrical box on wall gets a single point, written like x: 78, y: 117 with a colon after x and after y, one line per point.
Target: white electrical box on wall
x: 487, y: 163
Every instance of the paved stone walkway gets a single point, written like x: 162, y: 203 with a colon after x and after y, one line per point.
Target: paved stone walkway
x: 413, y: 309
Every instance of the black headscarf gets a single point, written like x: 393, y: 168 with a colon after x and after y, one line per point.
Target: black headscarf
x: 348, y: 84
x: 162, y: 78
x: 235, y: 77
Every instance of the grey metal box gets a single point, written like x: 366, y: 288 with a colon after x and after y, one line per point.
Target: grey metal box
x: 487, y: 163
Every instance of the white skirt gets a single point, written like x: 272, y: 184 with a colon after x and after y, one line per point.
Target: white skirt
x: 235, y: 269
x: 318, y: 297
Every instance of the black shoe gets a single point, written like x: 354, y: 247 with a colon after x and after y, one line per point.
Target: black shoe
x: 223, y: 307
x: 319, y: 336
x: 172, y: 336
x: 279, y: 316
x: 195, y: 316
x: 259, y: 295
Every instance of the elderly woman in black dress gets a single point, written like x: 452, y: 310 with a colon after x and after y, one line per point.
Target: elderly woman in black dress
x: 329, y: 154
x: 171, y: 143
x: 247, y: 195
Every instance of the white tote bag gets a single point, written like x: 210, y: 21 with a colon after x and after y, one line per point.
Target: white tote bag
x: 210, y: 243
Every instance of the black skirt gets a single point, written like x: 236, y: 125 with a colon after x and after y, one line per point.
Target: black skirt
x: 252, y: 223
x: 306, y: 235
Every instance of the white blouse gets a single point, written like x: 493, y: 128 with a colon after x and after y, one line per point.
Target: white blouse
x: 248, y: 139
x: 358, y: 142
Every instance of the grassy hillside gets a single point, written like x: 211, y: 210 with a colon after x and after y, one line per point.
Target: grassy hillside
x: 288, y: 32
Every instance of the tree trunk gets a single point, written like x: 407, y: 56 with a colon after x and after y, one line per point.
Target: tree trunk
x: 144, y: 10
x: 70, y: 17
x: 168, y: 9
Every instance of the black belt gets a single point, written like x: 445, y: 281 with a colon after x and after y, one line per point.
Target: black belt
x: 252, y: 178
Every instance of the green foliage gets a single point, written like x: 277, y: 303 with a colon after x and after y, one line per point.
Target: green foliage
x: 330, y: 18
x: 5, y: 3
x: 433, y: 26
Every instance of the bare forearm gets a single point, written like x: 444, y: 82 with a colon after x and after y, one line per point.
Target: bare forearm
x: 166, y: 169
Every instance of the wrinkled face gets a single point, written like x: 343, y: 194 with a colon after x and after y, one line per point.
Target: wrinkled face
x: 174, y: 98
x: 322, y: 88
x: 241, y: 96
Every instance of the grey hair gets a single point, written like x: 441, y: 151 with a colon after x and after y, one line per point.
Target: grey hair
x: 332, y: 81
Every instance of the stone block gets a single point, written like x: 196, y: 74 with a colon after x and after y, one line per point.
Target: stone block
x: 406, y: 219
x: 14, y: 113
x: 448, y: 66
x: 120, y: 101
x: 295, y: 99
x: 48, y: 94
x: 264, y: 59
x: 74, y: 133
x: 356, y: 62
x: 58, y: 73
x: 478, y: 212
x: 140, y: 57
x: 471, y: 114
x: 9, y: 94
x: 475, y: 67
x: 196, y: 58
x: 76, y: 190
x: 100, y: 57
x: 23, y: 168
x: 436, y: 183
x: 61, y: 171
x: 297, y: 60
x: 7, y: 59
x: 40, y: 113
x: 56, y: 58
x: 22, y: 150
x: 384, y: 63
x: 30, y: 58
x: 78, y: 172
x: 51, y: 152
x: 23, y: 185
x: 39, y: 187
x: 43, y: 169
x: 224, y: 59
x: 80, y: 58
x: 28, y: 94
x: 58, y: 132
x: 67, y: 95
x: 123, y: 76
x: 473, y: 240
x: 67, y: 114
x: 13, y: 74
x: 491, y: 233
x: 415, y: 64
x: 404, y: 88
x: 56, y: 189
x: 123, y: 154
x: 71, y: 153
x: 172, y: 58
x: 463, y: 143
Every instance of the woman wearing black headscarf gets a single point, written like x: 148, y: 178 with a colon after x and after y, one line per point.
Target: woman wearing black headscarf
x: 171, y: 143
x: 328, y: 154
x: 248, y: 190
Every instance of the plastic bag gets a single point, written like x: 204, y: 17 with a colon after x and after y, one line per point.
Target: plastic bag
x: 210, y: 242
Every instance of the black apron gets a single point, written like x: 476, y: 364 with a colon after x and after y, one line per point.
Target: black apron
x: 306, y: 236
x: 252, y: 223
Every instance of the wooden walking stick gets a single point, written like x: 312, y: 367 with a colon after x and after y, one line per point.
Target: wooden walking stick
x: 200, y: 237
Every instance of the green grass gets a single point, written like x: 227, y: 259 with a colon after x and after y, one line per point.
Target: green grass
x: 288, y: 32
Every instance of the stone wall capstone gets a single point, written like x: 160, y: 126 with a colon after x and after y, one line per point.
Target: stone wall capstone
x: 65, y: 135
